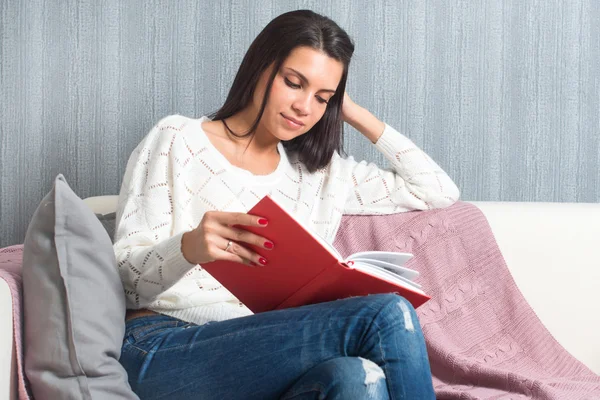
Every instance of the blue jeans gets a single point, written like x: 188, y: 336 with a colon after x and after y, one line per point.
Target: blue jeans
x: 367, y: 347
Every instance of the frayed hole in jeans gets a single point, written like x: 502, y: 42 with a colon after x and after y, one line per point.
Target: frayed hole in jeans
x: 373, y: 373
x: 408, y: 322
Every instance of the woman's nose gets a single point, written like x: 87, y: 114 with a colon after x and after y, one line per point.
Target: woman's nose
x: 302, y: 105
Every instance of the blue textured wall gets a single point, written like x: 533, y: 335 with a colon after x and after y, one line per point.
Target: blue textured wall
x: 503, y: 94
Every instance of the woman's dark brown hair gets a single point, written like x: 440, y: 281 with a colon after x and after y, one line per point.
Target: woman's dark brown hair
x: 272, y: 46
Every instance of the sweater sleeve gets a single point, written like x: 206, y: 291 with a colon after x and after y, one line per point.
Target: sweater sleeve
x: 414, y: 181
x: 147, y: 250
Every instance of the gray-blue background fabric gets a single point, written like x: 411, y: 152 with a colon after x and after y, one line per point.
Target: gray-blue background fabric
x: 504, y: 95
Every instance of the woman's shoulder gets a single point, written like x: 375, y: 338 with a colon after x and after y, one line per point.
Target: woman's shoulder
x: 167, y: 133
x: 175, y: 123
x: 172, y: 126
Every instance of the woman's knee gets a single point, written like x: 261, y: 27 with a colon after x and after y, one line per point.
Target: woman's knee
x: 342, y: 378
x: 360, y: 379
x: 396, y: 309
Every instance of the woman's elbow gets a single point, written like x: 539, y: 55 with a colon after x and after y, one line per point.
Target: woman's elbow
x: 446, y: 197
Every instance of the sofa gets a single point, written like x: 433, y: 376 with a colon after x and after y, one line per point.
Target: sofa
x: 551, y: 250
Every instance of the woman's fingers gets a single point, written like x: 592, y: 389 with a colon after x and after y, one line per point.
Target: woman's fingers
x: 244, y: 253
x: 232, y: 251
x: 243, y: 236
x: 223, y: 240
x: 228, y: 256
x: 234, y: 218
x: 240, y: 237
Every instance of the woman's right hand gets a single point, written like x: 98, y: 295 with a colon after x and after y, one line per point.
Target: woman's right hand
x: 211, y: 237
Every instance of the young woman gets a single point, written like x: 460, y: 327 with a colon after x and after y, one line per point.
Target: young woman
x: 191, y: 180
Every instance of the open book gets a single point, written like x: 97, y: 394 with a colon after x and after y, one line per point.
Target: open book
x: 304, y: 269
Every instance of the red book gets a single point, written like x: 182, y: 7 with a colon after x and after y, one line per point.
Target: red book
x: 304, y: 269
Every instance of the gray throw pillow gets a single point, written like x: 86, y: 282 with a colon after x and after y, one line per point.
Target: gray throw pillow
x: 74, y: 305
x: 109, y: 221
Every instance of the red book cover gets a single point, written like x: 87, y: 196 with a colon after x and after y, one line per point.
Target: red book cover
x: 301, y: 269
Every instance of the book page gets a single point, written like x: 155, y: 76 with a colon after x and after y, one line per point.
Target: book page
x: 383, y: 274
x: 364, y: 265
x: 404, y: 272
x: 391, y: 257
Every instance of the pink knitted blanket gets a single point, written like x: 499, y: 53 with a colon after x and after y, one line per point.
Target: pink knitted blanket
x: 483, y: 338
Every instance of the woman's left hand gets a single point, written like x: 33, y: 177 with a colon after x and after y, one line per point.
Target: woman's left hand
x: 348, y: 108
x: 361, y: 119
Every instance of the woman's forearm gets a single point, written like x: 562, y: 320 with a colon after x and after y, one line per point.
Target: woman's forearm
x: 366, y: 123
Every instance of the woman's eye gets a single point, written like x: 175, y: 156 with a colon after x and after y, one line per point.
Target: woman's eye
x: 296, y: 86
x: 291, y: 84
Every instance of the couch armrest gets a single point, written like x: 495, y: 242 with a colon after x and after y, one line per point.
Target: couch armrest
x: 8, y: 360
x: 102, y: 204
x: 552, y: 252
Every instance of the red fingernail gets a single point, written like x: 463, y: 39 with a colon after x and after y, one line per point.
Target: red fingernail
x: 262, y: 261
x: 262, y: 221
x: 268, y: 245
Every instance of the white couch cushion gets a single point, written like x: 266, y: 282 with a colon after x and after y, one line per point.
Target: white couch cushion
x: 552, y: 251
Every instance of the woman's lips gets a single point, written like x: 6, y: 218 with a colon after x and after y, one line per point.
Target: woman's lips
x: 292, y: 123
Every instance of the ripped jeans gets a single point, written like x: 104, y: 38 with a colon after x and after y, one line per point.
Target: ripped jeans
x: 367, y: 347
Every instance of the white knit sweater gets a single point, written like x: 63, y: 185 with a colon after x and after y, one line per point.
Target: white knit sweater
x: 175, y: 175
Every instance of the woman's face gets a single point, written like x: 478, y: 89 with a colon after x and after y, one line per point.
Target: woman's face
x: 301, y: 89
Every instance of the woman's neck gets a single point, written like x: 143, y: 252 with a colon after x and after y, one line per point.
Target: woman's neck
x: 261, y: 143
x: 257, y: 153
